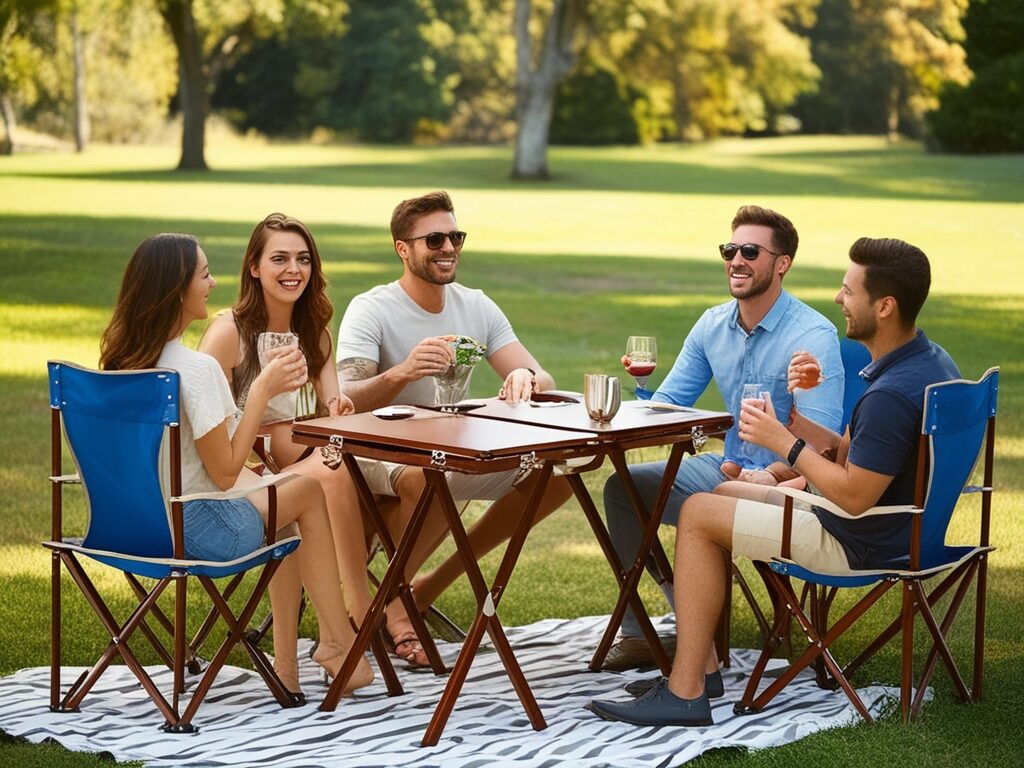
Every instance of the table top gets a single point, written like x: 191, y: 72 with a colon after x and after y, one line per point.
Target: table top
x: 459, y: 434
x: 634, y: 419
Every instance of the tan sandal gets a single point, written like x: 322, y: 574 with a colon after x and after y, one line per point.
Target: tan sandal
x: 406, y: 646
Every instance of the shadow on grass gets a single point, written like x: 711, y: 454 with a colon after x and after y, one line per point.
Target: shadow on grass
x: 886, y: 173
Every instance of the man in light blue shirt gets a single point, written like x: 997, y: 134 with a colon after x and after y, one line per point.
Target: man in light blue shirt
x: 748, y: 340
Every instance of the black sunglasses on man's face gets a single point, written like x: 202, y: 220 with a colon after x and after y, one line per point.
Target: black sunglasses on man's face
x: 748, y: 251
x: 435, y: 240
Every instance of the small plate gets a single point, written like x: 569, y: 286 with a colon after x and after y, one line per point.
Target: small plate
x: 668, y: 407
x: 393, y: 412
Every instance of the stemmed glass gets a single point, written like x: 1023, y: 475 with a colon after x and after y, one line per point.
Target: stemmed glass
x: 641, y: 359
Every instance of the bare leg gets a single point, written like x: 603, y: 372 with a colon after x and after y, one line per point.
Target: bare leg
x: 302, y: 501
x: 496, y: 525
x: 347, y: 530
x: 703, y: 543
x: 738, y: 489
x: 285, y: 596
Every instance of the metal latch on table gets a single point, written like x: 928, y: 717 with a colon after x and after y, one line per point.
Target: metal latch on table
x: 332, y: 451
x: 438, y: 458
x: 698, y: 438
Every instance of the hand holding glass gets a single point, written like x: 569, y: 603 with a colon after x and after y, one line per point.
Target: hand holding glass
x: 755, y: 394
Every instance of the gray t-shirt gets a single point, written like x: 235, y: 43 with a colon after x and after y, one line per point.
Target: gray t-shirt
x: 384, y: 324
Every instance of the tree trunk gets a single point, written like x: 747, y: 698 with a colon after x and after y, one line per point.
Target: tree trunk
x: 536, y: 86
x: 9, y: 145
x: 893, y: 121
x: 193, y: 83
x: 81, y: 116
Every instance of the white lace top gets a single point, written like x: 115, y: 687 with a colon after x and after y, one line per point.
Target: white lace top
x: 205, y: 402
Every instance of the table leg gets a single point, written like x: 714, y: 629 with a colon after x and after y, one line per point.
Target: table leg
x: 650, y: 545
x: 404, y: 590
x: 375, y: 614
x: 487, y: 600
x: 604, y: 540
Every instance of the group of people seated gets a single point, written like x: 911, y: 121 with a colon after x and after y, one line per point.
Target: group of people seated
x: 395, y: 337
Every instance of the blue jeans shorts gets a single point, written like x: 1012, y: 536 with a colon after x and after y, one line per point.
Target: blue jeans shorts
x: 221, y: 529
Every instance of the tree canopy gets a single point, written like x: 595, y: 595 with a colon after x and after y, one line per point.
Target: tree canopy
x: 569, y: 71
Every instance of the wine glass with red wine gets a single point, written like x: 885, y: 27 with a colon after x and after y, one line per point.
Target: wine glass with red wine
x: 641, y: 359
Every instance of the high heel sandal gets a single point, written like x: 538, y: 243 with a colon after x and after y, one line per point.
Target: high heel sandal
x: 288, y: 679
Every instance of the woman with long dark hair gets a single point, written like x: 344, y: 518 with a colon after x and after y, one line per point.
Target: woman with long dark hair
x: 165, y: 287
x: 282, y: 291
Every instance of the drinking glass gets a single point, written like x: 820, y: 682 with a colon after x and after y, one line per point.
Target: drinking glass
x: 755, y: 394
x: 269, y: 341
x: 602, y: 396
x: 641, y: 359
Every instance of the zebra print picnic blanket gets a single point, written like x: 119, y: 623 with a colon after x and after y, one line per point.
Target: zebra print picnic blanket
x: 241, y: 725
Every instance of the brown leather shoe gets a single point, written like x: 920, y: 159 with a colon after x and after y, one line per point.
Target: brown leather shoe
x: 634, y: 653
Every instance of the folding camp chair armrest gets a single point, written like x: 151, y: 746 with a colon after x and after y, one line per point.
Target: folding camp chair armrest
x: 236, y: 493
x: 65, y: 479
x: 261, y: 447
x: 820, y: 501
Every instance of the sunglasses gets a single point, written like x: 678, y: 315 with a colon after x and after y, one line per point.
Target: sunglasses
x: 435, y: 240
x: 748, y: 251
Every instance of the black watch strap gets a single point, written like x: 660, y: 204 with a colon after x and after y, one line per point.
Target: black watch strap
x: 795, y: 451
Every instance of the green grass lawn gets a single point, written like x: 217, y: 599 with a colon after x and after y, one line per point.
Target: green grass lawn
x: 621, y: 242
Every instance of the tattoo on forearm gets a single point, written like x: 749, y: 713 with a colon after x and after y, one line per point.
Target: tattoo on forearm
x: 357, y: 369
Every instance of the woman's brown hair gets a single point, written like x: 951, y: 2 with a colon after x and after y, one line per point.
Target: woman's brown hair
x: 310, y: 317
x: 149, y: 303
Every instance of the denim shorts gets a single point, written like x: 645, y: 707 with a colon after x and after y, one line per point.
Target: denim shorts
x: 221, y: 529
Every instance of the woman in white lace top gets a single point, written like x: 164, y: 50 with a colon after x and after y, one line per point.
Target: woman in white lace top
x: 165, y: 287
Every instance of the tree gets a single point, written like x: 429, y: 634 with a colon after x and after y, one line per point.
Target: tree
x: 727, y: 66
x: 987, y: 114
x: 19, y: 57
x: 207, y: 42
x: 537, y: 77
x: 912, y: 46
x: 394, y: 75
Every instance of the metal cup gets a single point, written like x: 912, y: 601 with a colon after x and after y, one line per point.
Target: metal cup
x: 601, y: 395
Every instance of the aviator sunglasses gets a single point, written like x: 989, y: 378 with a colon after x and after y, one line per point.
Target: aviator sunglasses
x: 748, y: 251
x: 435, y: 240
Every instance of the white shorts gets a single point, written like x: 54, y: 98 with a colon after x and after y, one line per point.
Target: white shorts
x: 381, y: 476
x: 757, y: 534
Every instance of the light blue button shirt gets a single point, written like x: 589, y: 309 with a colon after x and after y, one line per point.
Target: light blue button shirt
x: 717, y: 347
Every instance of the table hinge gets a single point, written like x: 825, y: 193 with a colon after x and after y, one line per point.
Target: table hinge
x: 438, y: 458
x: 528, y: 462
x: 698, y: 438
x: 332, y: 451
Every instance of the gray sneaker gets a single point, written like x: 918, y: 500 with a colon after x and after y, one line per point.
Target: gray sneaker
x: 714, y: 687
x: 659, y: 706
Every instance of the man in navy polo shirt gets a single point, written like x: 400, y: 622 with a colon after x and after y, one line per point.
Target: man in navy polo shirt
x: 884, y: 288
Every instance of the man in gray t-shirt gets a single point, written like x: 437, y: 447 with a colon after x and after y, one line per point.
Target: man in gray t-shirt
x: 390, y: 345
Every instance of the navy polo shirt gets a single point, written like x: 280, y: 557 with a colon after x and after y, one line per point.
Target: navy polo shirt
x: 885, y: 431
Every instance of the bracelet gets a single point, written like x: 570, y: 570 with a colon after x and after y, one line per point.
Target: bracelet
x: 794, y: 452
x: 532, y: 372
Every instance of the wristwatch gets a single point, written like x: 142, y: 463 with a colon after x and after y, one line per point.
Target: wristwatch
x: 794, y: 452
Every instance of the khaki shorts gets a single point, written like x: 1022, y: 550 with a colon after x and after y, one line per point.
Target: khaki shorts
x: 757, y: 534
x: 381, y: 476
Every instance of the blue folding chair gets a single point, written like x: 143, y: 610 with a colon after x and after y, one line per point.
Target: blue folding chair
x: 958, y: 427
x: 114, y: 425
x: 855, y: 359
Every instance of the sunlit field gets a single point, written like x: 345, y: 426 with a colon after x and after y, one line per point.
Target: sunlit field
x: 622, y: 241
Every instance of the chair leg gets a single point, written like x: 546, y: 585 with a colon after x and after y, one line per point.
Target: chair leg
x: 784, y: 599
x: 55, y: 632
x: 979, y: 628
x: 772, y: 640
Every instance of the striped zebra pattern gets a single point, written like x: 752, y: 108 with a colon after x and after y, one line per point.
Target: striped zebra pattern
x: 241, y: 725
